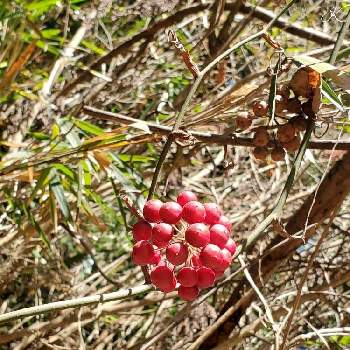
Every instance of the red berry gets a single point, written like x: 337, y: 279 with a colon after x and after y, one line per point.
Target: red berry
x: 177, y: 253
x: 226, y: 222
x: 156, y: 258
x: 197, y: 235
x: 159, y: 244
x: 195, y: 261
x: 151, y: 210
x: 212, y: 213
x: 193, y: 212
x: 162, y: 233
x: 187, y: 277
x: 227, y: 258
x: 206, y: 277
x: 231, y: 246
x: 211, y: 256
x: 142, y: 253
x: 170, y: 212
x: 186, y: 196
x: 188, y: 293
x: 219, y: 235
x: 142, y: 230
x: 163, y: 278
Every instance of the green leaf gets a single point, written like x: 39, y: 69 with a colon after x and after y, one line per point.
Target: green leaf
x: 88, y: 127
x: 57, y: 188
x: 55, y: 131
x: 41, y: 183
x: 331, y: 95
x: 40, y: 7
x: 65, y: 170
x: 50, y: 33
x: 93, y: 47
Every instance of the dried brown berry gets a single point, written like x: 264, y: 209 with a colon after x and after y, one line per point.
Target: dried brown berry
x: 284, y: 91
x: 277, y: 154
x: 299, y: 123
x: 260, y: 108
x: 304, y: 81
x: 261, y: 137
x: 260, y: 153
x: 243, y: 122
x: 293, y: 105
x: 285, y: 132
x: 280, y: 104
x: 293, y: 145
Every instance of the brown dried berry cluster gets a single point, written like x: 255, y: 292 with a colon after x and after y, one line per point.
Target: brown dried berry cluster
x: 286, y: 138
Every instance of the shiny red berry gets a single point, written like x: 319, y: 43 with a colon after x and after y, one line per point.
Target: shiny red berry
x: 193, y: 212
x: 211, y: 256
x: 212, y: 213
x: 151, y: 210
x: 187, y: 277
x: 163, y: 278
x: 206, y: 277
x: 195, y: 261
x: 170, y: 212
x: 231, y: 246
x: 186, y: 196
x: 188, y: 293
x: 142, y: 253
x: 197, y: 235
x: 156, y: 258
x: 177, y: 253
x: 226, y: 260
x: 162, y: 232
x: 219, y: 235
x: 226, y: 222
x: 142, y: 230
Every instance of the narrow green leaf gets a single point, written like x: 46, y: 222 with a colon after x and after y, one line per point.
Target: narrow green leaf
x: 65, y: 170
x: 57, y: 188
x: 331, y: 95
x: 41, y: 183
x: 88, y: 127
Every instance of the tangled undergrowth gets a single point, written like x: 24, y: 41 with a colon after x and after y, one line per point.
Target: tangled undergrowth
x: 107, y: 106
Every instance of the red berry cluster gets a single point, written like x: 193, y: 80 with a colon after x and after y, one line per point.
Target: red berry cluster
x: 188, y: 243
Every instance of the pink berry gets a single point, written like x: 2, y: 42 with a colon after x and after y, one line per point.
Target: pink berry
x: 219, y: 235
x: 186, y: 196
x: 177, y: 253
x: 142, y: 231
x: 188, y: 293
x: 226, y: 222
x: 163, y: 278
x: 151, y: 210
x: 195, y: 261
x: 206, y: 277
x: 231, y: 246
x: 170, y: 212
x: 197, y: 235
x: 226, y: 259
x: 211, y: 256
x: 156, y: 258
x: 187, y: 277
x: 162, y: 232
x: 212, y: 213
x: 159, y: 244
x: 193, y: 212
x: 142, y: 253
